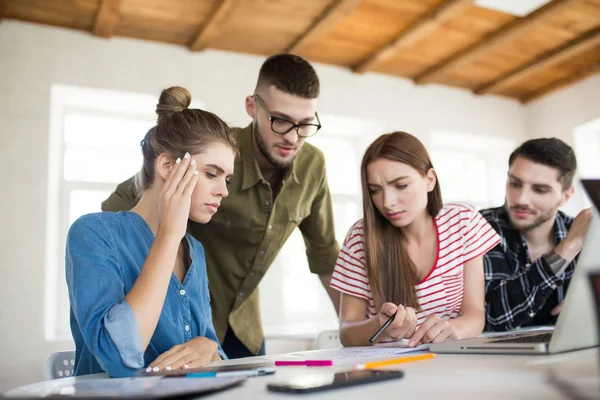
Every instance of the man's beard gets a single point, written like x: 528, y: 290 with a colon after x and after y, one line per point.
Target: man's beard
x: 262, y: 147
x: 537, y: 222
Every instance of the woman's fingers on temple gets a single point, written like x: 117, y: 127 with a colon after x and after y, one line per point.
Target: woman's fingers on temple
x: 189, y: 174
x: 189, y: 188
x: 177, y: 173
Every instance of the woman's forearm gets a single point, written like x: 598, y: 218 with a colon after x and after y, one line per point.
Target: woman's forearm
x: 147, y: 296
x: 358, y: 333
x: 469, y: 324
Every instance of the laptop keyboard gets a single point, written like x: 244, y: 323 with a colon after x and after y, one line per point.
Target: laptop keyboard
x: 541, y: 338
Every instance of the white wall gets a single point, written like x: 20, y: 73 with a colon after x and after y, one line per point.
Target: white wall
x: 557, y: 114
x: 33, y: 57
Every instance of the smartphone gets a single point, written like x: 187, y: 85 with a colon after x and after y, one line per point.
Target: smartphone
x: 315, y: 383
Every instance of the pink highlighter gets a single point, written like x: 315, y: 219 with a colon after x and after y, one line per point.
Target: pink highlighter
x: 304, y: 363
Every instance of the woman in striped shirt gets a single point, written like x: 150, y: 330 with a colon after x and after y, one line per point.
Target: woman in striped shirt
x: 410, y: 255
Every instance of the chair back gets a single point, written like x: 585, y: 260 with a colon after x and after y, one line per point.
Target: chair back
x: 328, y: 340
x: 59, y: 365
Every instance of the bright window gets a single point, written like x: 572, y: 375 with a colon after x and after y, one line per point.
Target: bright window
x: 95, y: 136
x: 586, y: 140
x: 471, y: 168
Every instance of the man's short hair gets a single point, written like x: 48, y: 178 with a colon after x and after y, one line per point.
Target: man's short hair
x: 290, y: 74
x: 551, y: 152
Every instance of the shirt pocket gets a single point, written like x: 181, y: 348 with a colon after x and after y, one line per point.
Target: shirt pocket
x: 234, y: 228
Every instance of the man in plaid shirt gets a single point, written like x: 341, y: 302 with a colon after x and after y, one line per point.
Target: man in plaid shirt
x: 527, y: 274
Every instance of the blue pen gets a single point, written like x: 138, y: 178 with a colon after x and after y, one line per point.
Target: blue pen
x: 208, y: 374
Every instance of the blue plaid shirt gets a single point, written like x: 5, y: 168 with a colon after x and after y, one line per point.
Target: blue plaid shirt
x: 518, y: 291
x: 104, y: 257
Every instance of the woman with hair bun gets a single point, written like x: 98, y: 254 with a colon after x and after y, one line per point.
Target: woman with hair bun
x: 137, y: 282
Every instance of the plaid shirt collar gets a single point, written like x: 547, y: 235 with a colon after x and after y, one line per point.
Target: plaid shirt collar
x: 511, y: 236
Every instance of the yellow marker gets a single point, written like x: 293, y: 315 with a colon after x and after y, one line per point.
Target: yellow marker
x: 385, y: 363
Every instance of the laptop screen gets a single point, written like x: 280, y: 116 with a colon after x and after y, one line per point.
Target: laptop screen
x: 592, y: 187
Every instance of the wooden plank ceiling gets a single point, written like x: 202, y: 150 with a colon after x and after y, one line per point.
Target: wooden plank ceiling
x: 449, y: 42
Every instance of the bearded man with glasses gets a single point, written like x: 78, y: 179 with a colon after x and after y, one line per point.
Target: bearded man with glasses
x: 279, y: 184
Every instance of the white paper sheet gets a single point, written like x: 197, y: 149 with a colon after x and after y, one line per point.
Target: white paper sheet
x: 359, y: 354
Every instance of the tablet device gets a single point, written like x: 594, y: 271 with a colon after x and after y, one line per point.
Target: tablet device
x: 245, y: 369
x: 315, y: 383
x: 131, y: 388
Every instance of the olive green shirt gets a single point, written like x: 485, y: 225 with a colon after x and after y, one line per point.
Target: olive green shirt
x: 245, y: 235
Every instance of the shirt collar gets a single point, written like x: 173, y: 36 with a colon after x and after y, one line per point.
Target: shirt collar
x: 251, y: 174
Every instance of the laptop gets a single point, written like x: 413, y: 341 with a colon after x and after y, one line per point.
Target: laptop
x: 575, y: 328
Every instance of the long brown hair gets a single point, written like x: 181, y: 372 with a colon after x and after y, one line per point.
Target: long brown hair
x: 392, y: 274
x: 178, y: 130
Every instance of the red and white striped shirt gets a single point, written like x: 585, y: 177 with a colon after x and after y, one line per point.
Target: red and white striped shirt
x: 463, y: 234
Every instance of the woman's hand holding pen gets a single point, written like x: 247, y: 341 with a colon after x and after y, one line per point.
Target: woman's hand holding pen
x: 175, y: 199
x: 433, y: 330
x: 194, y: 353
x: 404, y: 323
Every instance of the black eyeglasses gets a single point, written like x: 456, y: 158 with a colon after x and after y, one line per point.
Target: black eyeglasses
x: 283, y: 126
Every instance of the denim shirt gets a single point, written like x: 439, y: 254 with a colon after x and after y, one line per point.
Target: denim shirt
x: 104, y: 257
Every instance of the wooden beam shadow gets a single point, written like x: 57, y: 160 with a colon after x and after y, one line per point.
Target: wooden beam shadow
x: 213, y: 25
x: 492, y: 40
x: 107, y: 18
x: 322, y: 25
x: 587, y: 41
x: 416, y: 31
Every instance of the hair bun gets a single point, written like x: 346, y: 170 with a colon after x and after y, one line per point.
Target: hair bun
x: 172, y: 100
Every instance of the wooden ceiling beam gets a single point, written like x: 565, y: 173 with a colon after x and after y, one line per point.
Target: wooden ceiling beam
x: 213, y: 24
x: 587, y: 41
x: 569, y: 80
x: 416, y: 31
x: 322, y: 25
x: 107, y: 18
x: 1, y: 9
x: 509, y: 31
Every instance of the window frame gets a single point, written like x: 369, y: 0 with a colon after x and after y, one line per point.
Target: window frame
x: 68, y: 100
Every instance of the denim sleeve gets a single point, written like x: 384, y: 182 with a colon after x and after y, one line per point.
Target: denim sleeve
x: 97, y: 297
x: 122, y: 326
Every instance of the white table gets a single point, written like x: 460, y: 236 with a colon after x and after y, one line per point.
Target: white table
x: 445, y: 377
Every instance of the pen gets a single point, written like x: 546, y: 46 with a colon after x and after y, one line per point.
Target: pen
x: 210, y: 374
x: 385, y: 363
x: 307, y: 363
x: 213, y: 374
x: 383, y: 328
